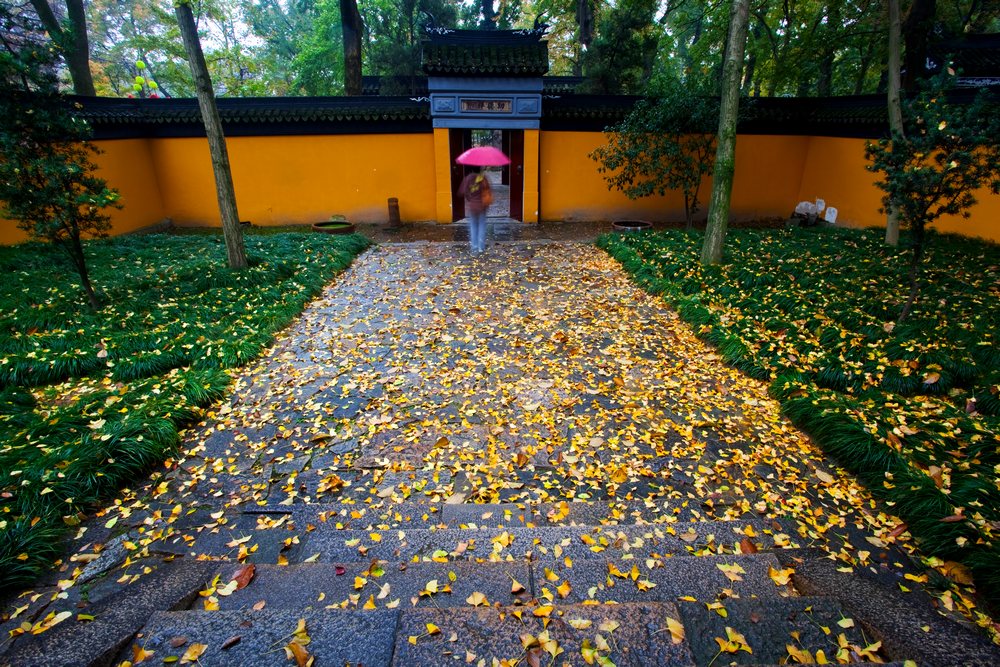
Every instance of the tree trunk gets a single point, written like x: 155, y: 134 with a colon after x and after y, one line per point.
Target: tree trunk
x: 917, y: 28
x: 915, y: 261
x: 353, y: 27
x: 689, y: 222
x: 895, y: 112
x: 725, y: 154
x: 489, y: 16
x: 75, y: 250
x: 216, y: 140
x: 72, y: 41
x: 824, y: 85
x: 585, y: 21
x: 865, y: 63
x: 749, y: 74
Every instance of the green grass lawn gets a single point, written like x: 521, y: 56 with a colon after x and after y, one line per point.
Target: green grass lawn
x: 911, y: 408
x: 89, y: 401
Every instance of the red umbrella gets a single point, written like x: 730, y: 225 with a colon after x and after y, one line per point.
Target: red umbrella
x: 483, y: 156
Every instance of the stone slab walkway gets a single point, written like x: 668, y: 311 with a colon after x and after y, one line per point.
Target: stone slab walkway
x: 424, y: 382
x: 536, y: 373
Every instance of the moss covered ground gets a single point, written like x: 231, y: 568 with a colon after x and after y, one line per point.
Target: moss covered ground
x: 912, y: 408
x: 89, y: 401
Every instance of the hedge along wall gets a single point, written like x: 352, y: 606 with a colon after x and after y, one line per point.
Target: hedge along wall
x: 128, y: 165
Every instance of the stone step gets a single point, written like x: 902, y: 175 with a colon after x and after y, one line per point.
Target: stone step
x: 257, y: 638
x: 458, y: 515
x: 777, y: 631
x: 627, y: 634
x: 270, y: 538
x: 319, y: 586
x: 107, y: 626
x: 577, y: 542
x: 633, y: 634
x: 316, y: 586
x: 705, y: 579
x: 908, y: 625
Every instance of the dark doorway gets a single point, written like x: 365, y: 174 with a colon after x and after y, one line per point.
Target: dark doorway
x: 508, y: 180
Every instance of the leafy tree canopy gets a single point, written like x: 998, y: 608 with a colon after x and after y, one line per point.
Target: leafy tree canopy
x: 665, y: 143
x: 47, y: 181
x: 947, y: 153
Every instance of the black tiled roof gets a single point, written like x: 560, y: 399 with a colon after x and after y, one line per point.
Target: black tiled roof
x: 973, y: 55
x: 862, y: 116
x: 528, y: 58
x: 448, y: 52
x: 374, y: 85
x: 113, y: 117
x: 858, y: 116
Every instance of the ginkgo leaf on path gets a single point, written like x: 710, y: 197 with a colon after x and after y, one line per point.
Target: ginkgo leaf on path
x: 139, y: 654
x: 780, y: 577
x: 244, y: 576
x: 734, y: 642
x: 676, y: 630
x: 732, y: 571
x: 193, y: 652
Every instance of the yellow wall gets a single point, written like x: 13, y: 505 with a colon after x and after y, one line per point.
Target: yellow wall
x: 767, y: 181
x: 302, y: 179
x: 126, y: 165
x: 835, y: 171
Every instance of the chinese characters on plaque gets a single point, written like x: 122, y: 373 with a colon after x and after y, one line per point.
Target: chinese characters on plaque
x: 486, y: 106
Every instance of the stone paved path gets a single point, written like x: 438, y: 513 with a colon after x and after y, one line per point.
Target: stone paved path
x: 538, y: 372
x: 532, y: 390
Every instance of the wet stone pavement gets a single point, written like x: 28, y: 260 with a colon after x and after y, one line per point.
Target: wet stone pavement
x: 536, y: 373
x: 526, y: 394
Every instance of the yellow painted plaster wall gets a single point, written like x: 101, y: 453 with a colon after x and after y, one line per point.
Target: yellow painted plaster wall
x: 302, y: 179
x: 767, y: 181
x: 126, y: 164
x: 835, y: 170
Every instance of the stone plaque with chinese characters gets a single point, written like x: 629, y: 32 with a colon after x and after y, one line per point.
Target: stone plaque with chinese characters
x: 486, y: 106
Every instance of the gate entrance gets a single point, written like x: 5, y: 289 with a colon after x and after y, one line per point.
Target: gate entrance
x: 507, y: 181
x: 486, y: 89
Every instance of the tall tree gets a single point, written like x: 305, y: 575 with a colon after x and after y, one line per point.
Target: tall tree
x: 71, y: 38
x: 725, y: 154
x: 621, y: 57
x: 394, y: 31
x: 663, y: 144
x: 47, y: 180
x: 895, y: 112
x: 231, y: 230
x: 917, y: 30
x: 353, y: 28
x: 947, y: 152
x: 286, y: 32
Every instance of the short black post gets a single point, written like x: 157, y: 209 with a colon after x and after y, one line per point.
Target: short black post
x: 394, y: 212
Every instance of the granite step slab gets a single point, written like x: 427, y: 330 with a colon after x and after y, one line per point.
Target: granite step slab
x: 258, y: 638
x: 319, y: 586
x: 457, y: 515
x: 909, y: 628
x: 242, y: 538
x: 705, y: 578
x: 809, y: 625
x: 78, y: 642
x: 634, y: 634
x: 577, y: 542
